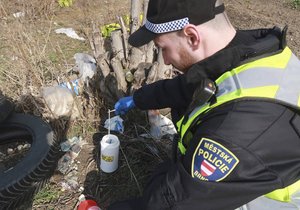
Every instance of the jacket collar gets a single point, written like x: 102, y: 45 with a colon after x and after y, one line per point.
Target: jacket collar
x: 266, y: 42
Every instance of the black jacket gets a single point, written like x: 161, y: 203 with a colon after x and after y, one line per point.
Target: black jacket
x: 263, y: 135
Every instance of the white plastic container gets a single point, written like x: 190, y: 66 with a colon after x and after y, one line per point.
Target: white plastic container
x: 109, y: 153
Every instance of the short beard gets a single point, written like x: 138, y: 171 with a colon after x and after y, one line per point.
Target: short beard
x: 186, y: 60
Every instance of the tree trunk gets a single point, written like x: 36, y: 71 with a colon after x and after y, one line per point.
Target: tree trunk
x: 124, y: 69
x: 119, y: 73
x: 97, y: 42
x: 145, y: 10
x: 117, y: 44
x: 136, y: 11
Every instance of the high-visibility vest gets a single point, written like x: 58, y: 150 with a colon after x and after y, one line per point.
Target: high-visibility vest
x: 276, y: 77
x: 264, y: 203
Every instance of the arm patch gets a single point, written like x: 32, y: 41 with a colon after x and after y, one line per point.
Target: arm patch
x: 212, y: 161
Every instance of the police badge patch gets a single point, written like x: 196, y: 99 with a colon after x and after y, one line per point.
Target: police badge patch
x: 212, y: 161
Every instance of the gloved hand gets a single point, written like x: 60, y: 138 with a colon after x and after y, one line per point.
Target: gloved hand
x: 124, y: 105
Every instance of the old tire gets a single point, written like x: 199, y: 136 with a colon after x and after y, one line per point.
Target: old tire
x: 30, y: 173
x: 6, y: 107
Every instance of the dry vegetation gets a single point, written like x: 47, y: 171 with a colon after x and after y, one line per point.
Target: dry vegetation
x: 33, y: 56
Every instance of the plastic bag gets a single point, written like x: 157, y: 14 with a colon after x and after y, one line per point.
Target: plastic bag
x: 160, y: 125
x: 60, y: 101
x: 85, y: 65
x: 115, y: 124
x: 69, y: 32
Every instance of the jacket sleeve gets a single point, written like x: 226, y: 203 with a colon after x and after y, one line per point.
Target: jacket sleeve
x: 172, y: 187
x: 168, y: 93
x: 232, y: 159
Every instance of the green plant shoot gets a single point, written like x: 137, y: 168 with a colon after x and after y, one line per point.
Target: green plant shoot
x: 65, y: 3
x: 296, y: 3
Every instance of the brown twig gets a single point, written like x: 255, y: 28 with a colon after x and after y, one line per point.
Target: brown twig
x: 136, y: 181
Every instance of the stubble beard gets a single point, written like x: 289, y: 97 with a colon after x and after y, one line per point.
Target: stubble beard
x: 186, y: 60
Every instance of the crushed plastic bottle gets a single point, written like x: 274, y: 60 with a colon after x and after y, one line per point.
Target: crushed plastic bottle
x: 74, y: 151
x: 73, y: 86
x: 72, y: 147
x: 70, y: 180
x: 66, y: 145
x: 64, y: 163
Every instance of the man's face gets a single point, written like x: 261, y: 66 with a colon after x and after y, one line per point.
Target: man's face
x: 175, y: 50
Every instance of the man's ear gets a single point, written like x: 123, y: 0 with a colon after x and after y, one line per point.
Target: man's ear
x: 191, y: 33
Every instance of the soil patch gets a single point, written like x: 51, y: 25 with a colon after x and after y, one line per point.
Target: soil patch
x: 260, y: 14
x: 138, y: 156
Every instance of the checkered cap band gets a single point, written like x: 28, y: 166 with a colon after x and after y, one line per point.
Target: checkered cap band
x: 174, y: 25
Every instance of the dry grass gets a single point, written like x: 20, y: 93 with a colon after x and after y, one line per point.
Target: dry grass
x: 24, y: 63
x: 34, y: 9
x: 32, y: 56
x: 25, y: 67
x: 138, y: 158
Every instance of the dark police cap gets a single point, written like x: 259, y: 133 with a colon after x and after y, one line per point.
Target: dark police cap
x: 171, y: 15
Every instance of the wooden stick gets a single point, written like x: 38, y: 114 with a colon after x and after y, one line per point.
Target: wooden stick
x: 152, y: 76
x: 137, y: 56
x: 150, y: 48
x: 146, y: 2
x: 124, y: 36
x: 116, y: 44
x: 136, y: 10
x: 162, y: 67
x: 140, y: 75
x: 102, y: 62
x: 97, y: 41
x: 120, y: 75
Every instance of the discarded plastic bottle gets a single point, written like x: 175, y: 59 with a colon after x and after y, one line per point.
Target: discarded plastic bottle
x: 154, y: 121
x: 87, y: 203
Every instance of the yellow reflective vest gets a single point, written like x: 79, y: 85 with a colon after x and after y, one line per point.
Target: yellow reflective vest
x: 275, y: 77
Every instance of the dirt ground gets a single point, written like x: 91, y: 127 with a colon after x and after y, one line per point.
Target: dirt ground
x: 260, y: 13
x: 129, y: 179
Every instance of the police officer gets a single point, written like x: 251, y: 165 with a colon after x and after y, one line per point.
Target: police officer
x: 236, y: 108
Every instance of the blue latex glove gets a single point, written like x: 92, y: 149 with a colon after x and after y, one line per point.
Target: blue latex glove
x: 124, y: 105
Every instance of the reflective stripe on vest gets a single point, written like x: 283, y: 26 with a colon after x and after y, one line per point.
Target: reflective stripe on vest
x: 284, y: 194
x: 274, y: 77
x: 264, y: 203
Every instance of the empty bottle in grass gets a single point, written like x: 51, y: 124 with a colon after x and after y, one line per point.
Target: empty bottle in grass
x: 87, y: 203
